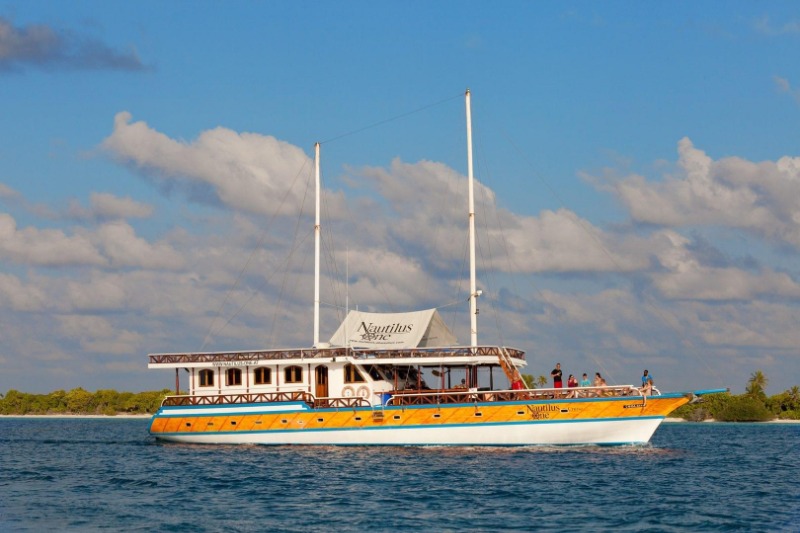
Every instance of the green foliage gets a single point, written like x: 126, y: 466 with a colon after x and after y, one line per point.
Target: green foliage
x: 531, y: 382
x: 744, y: 408
x: 752, y: 406
x: 756, y: 384
x: 81, y: 402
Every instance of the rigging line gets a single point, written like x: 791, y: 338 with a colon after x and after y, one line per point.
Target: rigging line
x: 391, y: 119
x: 659, y: 312
x: 264, y: 282
x: 263, y: 238
x: 489, y: 272
x: 253, y: 294
x: 329, y: 245
x: 291, y: 254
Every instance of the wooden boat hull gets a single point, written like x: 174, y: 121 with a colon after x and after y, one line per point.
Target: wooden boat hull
x: 607, y: 421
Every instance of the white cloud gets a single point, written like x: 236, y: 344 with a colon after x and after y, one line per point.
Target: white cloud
x: 429, y: 206
x: 48, y: 247
x: 98, y: 335
x: 19, y: 296
x: 731, y: 192
x: 120, y: 244
x: 105, y: 206
x: 243, y: 171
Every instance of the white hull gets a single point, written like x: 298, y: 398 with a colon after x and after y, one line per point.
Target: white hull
x: 574, y: 432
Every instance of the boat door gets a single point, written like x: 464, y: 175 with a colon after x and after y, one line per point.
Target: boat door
x: 321, y: 390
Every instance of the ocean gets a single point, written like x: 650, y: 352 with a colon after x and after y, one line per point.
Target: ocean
x: 108, y: 474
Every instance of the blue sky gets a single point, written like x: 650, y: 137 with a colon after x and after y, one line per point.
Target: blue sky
x: 638, y: 165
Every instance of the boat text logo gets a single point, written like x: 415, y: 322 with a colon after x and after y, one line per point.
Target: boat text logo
x: 371, y: 332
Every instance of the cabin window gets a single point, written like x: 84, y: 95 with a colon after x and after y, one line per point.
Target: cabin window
x: 293, y: 374
x: 233, y: 376
x: 263, y: 376
x: 352, y: 375
x: 206, y: 378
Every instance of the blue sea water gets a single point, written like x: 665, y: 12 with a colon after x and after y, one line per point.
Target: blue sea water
x: 109, y: 474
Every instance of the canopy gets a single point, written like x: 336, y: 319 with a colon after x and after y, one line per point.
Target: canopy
x: 393, y: 330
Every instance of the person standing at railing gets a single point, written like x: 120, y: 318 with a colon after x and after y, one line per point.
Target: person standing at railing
x: 647, y: 384
x: 556, y: 373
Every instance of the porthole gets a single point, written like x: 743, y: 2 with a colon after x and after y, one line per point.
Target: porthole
x: 437, y: 415
x: 396, y: 417
x: 521, y: 413
x: 358, y: 419
x: 233, y: 422
x: 188, y: 424
x: 284, y: 421
x: 320, y: 420
x: 478, y: 414
x: 258, y: 421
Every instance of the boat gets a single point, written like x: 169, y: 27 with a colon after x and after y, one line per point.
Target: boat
x: 395, y: 379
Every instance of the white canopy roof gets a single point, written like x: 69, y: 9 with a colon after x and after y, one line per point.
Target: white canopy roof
x: 393, y: 330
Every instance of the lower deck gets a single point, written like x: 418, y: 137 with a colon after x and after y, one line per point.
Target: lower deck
x: 505, y: 418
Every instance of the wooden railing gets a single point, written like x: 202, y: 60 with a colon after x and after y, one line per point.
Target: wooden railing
x: 226, y: 399
x: 411, y: 397
x: 470, y: 396
x: 221, y: 358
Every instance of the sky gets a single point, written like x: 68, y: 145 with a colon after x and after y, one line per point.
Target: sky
x: 637, y: 195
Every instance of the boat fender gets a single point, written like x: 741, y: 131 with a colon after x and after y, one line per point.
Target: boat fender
x: 348, y: 392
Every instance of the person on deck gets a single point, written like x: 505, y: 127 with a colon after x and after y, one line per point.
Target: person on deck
x: 647, y: 384
x: 556, y: 373
x: 585, y: 383
x: 572, y: 383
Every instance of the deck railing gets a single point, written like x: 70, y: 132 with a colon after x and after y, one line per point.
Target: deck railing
x: 467, y: 396
x: 318, y: 353
x: 413, y: 397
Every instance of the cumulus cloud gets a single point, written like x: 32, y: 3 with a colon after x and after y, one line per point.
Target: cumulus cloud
x: 757, y: 197
x: 97, y: 334
x: 429, y: 207
x: 124, y: 248
x: 45, y: 47
x: 114, y: 244
x: 243, y: 171
x: 106, y: 206
x: 19, y: 296
x: 686, y: 277
x: 47, y: 247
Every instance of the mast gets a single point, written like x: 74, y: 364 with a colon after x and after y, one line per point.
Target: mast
x: 473, y: 292
x: 316, y: 247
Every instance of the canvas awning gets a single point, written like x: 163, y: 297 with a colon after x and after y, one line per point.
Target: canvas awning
x: 393, y: 330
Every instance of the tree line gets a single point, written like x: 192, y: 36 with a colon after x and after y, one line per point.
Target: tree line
x: 81, y: 402
x: 752, y: 406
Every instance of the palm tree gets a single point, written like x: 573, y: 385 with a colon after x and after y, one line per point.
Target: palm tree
x: 756, y: 384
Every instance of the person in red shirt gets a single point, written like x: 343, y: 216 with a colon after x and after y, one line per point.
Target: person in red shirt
x: 556, y: 373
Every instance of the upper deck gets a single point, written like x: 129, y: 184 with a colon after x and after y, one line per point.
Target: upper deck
x: 444, y: 355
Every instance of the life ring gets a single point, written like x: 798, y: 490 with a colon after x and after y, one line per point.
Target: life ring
x: 348, y: 392
x: 363, y: 391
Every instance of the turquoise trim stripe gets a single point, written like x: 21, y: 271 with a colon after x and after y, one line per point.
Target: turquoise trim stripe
x: 415, y: 426
x: 303, y: 407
